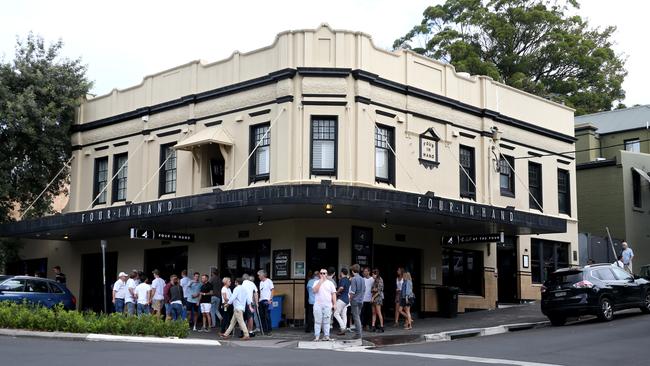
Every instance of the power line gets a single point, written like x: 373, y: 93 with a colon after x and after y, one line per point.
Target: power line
x: 576, y: 151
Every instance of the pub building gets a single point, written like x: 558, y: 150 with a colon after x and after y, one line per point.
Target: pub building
x: 319, y: 150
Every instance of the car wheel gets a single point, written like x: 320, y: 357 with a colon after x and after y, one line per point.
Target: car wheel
x: 646, y: 303
x: 606, y: 312
x: 557, y: 321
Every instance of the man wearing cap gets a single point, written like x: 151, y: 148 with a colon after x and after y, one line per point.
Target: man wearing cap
x: 119, y: 292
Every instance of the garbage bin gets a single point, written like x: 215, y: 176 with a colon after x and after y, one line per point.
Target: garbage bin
x: 276, y: 311
x: 447, y: 301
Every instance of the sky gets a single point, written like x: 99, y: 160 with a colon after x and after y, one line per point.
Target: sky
x: 123, y: 41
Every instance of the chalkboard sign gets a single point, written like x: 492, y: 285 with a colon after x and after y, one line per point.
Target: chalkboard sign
x: 281, y: 264
x: 361, y: 246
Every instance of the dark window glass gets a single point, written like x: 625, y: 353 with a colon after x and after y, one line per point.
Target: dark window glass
x: 37, y: 286
x: 603, y: 274
x: 507, y: 175
x: 13, y: 285
x: 621, y: 274
x: 467, y: 172
x: 168, y: 170
x: 260, y: 166
x: 636, y: 188
x: 633, y: 145
x: 535, y: 186
x: 323, y: 145
x: 546, y: 257
x: 563, y: 192
x: 55, y: 289
x: 463, y: 269
x: 384, y: 156
x: 119, y: 183
x: 100, y: 180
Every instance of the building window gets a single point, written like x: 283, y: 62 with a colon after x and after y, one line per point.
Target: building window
x: 463, y: 269
x: 535, y: 185
x: 507, y: 175
x: 260, y: 165
x: 633, y: 145
x: 384, y: 154
x: 323, y: 145
x: 100, y: 180
x: 563, y: 192
x: 468, y: 172
x: 119, y: 184
x: 168, y: 170
x: 636, y: 188
x: 546, y: 257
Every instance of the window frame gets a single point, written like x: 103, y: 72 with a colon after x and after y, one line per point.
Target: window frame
x: 631, y: 142
x: 538, y: 245
x: 471, y: 191
x: 567, y: 174
x: 96, y: 182
x: 323, y: 172
x: 252, y: 162
x: 391, y: 156
x: 450, y: 280
x: 637, y: 196
x: 162, y: 173
x: 116, y: 184
x: 511, y: 179
x: 531, y: 203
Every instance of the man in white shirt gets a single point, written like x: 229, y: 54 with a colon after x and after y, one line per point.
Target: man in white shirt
x: 251, y: 293
x: 129, y: 299
x: 366, y: 311
x: 119, y: 292
x: 239, y: 301
x: 143, y: 295
x: 266, y: 301
x: 157, y: 285
x: 324, y: 304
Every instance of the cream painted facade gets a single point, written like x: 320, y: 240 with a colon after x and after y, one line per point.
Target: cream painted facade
x: 304, y: 74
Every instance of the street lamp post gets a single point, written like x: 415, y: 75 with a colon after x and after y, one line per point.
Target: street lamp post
x: 103, y: 244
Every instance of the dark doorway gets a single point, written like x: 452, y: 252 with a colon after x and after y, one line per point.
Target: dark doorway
x: 387, y: 259
x: 507, y: 271
x: 322, y: 253
x: 168, y: 261
x: 29, y: 267
x: 245, y: 257
x: 91, y: 281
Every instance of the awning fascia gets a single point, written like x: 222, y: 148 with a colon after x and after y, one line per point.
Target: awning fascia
x: 209, y: 135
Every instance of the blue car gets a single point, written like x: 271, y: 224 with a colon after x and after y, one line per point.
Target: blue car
x: 36, y: 290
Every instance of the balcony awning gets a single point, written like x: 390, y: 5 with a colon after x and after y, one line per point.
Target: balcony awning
x: 209, y: 135
x: 642, y: 173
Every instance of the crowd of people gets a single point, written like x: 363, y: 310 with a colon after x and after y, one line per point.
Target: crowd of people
x: 207, y: 302
x: 354, y: 299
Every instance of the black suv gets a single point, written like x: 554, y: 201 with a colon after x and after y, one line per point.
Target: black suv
x: 598, y: 289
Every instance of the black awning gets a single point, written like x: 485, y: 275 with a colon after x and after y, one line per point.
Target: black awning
x: 276, y: 202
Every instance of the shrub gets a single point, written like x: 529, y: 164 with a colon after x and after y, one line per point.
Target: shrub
x: 34, y: 317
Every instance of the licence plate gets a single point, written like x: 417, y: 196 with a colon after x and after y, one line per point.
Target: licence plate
x: 560, y: 294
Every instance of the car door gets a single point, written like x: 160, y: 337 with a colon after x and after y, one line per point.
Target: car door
x: 617, y: 289
x: 57, y: 295
x: 631, y: 287
x: 38, y: 292
x: 12, y: 289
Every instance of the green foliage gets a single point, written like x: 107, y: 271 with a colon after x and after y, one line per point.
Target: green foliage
x: 533, y: 45
x: 26, y: 316
x: 39, y: 91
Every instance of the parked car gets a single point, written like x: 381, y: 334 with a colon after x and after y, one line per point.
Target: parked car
x: 36, y: 290
x: 644, y: 272
x: 599, y: 289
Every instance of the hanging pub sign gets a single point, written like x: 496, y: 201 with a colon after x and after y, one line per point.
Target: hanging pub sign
x: 281, y: 264
x: 149, y: 234
x: 429, y: 149
x: 474, y: 238
x: 361, y: 246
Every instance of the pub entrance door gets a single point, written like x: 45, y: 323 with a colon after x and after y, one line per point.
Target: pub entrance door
x: 387, y: 259
x: 92, y: 297
x: 168, y: 261
x: 322, y: 253
x: 248, y: 257
x: 507, y: 271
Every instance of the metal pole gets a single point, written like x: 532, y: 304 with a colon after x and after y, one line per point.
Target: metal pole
x: 103, y: 244
x: 611, y: 243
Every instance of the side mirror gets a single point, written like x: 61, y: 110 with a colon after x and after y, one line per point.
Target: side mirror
x: 631, y: 279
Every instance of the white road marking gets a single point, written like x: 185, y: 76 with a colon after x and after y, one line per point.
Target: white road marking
x: 437, y: 356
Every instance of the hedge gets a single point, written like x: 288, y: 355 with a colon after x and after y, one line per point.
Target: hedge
x: 32, y: 317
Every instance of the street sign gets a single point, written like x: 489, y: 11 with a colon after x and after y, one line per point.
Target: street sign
x: 149, y: 234
x: 470, y: 239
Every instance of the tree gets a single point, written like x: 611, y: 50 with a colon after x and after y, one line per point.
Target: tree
x: 533, y: 45
x: 39, y: 91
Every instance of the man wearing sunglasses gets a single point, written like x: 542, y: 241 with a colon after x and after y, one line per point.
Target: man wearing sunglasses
x: 325, y: 303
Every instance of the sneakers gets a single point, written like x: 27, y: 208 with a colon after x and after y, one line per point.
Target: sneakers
x: 194, y: 329
x: 326, y: 339
x: 316, y: 339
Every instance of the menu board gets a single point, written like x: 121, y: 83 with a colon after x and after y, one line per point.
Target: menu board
x: 281, y: 264
x: 361, y: 246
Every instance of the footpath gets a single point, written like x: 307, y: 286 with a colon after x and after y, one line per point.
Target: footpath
x: 433, y: 329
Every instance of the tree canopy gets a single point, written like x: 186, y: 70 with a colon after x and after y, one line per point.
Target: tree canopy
x: 535, y: 45
x: 39, y: 91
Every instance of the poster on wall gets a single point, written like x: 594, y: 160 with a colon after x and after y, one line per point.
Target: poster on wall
x: 299, y: 269
x: 362, y: 246
x: 281, y: 263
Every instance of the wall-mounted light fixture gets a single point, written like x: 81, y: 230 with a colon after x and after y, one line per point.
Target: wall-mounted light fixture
x: 260, y: 221
x: 385, y: 223
x: 329, y: 208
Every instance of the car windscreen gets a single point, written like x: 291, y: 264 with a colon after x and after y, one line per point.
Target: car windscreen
x: 13, y: 284
x: 565, y: 278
